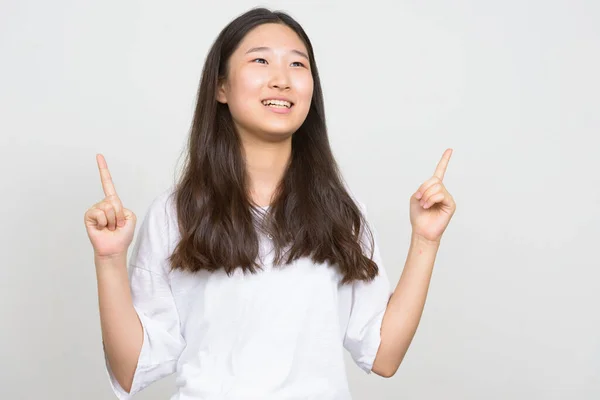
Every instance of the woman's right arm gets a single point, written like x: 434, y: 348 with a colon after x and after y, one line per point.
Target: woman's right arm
x: 110, y: 227
x: 122, y: 332
x: 139, y: 319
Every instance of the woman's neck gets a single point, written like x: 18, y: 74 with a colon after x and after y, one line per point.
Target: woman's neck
x: 266, y: 163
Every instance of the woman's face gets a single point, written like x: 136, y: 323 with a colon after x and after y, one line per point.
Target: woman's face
x: 269, y: 84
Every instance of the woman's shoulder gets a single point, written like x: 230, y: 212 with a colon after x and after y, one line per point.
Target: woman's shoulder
x: 158, y: 232
x: 162, y: 207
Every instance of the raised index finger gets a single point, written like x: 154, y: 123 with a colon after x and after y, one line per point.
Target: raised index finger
x: 107, y: 183
x: 443, y: 164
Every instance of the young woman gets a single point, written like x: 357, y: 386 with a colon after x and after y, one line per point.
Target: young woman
x: 251, y: 276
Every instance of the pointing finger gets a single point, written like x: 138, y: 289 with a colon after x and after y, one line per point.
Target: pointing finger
x: 443, y: 164
x: 107, y: 182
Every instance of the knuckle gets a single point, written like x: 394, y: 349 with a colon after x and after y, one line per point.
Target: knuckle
x: 430, y: 190
x: 116, y: 207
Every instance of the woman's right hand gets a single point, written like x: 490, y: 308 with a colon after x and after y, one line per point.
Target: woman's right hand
x: 109, y: 225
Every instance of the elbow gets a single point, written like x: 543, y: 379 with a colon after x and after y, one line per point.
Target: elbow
x: 125, y: 383
x: 392, y: 372
x: 123, y: 377
x: 383, y: 365
x: 388, y: 373
x: 384, y: 371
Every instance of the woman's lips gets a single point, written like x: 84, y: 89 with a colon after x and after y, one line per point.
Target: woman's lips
x: 279, y: 109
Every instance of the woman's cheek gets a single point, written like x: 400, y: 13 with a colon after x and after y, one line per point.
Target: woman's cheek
x: 305, y: 87
x: 305, y: 91
x: 252, y: 80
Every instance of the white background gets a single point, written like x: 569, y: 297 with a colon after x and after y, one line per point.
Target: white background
x: 512, y: 86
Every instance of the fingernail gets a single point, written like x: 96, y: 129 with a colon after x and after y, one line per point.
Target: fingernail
x: 121, y: 223
x: 419, y: 195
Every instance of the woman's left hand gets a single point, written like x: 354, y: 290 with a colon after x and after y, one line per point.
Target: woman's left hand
x: 432, y: 207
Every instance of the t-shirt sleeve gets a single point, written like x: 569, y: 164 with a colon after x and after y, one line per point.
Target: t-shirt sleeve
x: 368, y: 304
x: 153, y: 301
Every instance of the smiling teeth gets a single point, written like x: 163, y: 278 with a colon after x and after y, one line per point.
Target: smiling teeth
x: 277, y: 103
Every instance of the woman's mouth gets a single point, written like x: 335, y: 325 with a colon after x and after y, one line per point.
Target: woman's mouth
x: 277, y: 103
x: 278, y: 106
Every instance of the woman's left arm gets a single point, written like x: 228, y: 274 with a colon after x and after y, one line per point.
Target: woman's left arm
x: 431, y: 209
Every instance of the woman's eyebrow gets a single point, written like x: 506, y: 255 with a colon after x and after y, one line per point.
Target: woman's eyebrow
x: 264, y: 48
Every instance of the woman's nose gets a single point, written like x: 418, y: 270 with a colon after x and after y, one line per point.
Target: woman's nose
x: 279, y: 80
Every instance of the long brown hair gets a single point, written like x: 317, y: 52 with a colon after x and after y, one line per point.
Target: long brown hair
x: 312, y: 214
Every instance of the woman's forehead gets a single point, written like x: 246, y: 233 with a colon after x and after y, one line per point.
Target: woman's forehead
x: 272, y: 37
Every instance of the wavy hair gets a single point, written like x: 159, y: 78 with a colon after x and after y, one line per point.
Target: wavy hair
x: 311, y: 215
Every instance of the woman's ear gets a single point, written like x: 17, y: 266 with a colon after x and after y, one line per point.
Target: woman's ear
x: 221, y: 97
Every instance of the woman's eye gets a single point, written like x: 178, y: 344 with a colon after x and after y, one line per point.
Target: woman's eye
x: 260, y: 60
x: 299, y: 64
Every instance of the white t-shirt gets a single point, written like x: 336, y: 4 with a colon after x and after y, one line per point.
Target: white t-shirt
x: 275, y: 335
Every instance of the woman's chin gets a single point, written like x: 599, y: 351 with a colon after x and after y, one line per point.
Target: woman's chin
x: 278, y: 130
